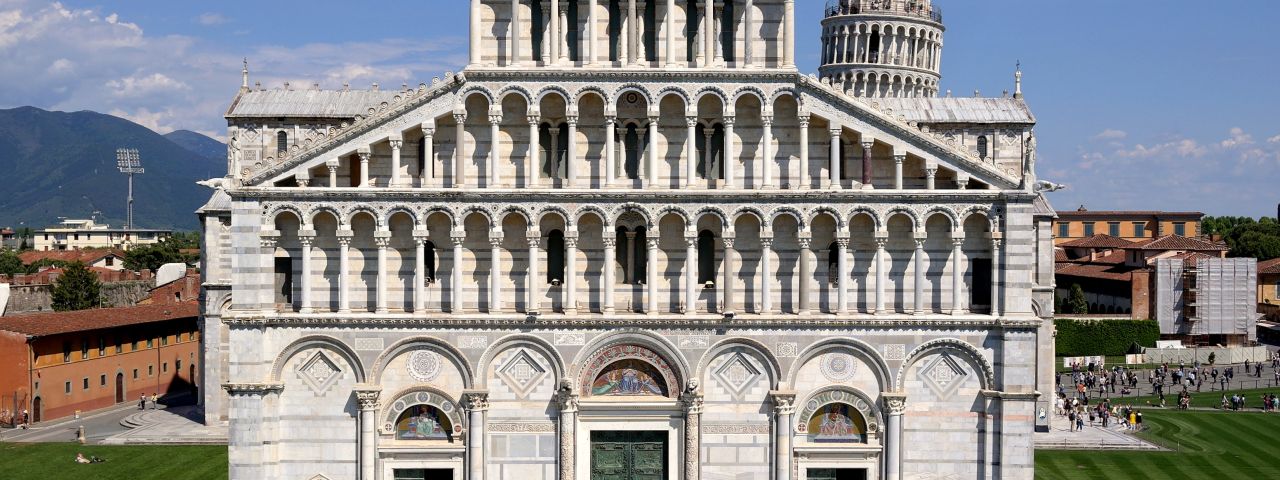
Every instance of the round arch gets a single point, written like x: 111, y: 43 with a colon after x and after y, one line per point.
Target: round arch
x: 761, y: 350
x: 869, y: 354
x: 866, y: 406
x: 953, y: 345
x: 422, y: 395
x: 444, y: 348
x: 326, y: 342
x: 515, y: 341
x: 659, y: 345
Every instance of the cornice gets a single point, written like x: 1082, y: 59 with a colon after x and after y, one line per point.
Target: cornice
x: 702, y: 322
x: 483, y: 195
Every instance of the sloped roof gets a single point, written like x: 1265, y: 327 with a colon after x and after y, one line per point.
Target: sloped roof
x: 1269, y: 267
x: 1100, y: 240
x: 1042, y: 208
x: 87, y: 256
x: 307, y: 103
x: 53, y: 323
x: 1072, y: 214
x: 219, y: 202
x: 1117, y: 273
x: 1176, y: 242
x: 958, y: 110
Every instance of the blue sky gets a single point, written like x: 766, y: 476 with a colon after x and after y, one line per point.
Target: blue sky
x: 1142, y: 105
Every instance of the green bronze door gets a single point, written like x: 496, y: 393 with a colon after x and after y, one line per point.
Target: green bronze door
x: 628, y: 455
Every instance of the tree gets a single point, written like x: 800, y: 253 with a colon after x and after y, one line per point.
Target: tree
x: 169, y: 250
x: 1246, y: 237
x: 77, y: 288
x: 1077, y: 305
x: 10, y: 264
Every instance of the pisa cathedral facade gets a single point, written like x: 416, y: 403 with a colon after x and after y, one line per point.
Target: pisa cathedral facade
x: 630, y: 243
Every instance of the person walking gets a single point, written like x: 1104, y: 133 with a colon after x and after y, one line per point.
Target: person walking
x: 142, y: 401
x: 155, y: 401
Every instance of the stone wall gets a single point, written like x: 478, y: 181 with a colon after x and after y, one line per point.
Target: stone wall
x: 39, y: 298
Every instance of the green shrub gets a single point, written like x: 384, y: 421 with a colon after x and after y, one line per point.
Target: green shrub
x: 1103, y: 337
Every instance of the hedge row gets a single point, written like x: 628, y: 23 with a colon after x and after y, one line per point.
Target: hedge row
x: 1104, y: 337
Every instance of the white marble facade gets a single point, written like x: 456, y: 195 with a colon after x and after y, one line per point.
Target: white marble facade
x: 702, y: 244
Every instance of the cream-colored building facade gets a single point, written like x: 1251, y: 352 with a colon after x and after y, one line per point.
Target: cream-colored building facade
x: 627, y: 241
x: 77, y: 234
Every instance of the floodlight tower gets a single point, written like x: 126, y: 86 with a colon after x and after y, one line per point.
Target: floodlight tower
x: 129, y: 163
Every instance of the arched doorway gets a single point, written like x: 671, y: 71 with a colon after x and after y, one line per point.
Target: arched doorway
x: 119, y: 387
x: 35, y: 410
x: 641, y: 382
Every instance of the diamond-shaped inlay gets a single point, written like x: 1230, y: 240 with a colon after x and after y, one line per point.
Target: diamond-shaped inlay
x: 424, y: 365
x: 943, y: 375
x: 737, y: 375
x: 319, y: 373
x: 838, y: 367
x: 522, y: 373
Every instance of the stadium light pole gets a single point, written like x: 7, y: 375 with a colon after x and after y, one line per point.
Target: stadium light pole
x: 129, y: 163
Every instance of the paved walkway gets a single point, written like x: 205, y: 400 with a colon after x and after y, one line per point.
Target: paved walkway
x: 170, y: 426
x: 1091, y: 438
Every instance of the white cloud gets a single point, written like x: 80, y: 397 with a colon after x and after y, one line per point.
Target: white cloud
x: 1110, y: 134
x: 211, y: 19
x: 1275, y: 139
x: 1237, y: 138
x: 62, y: 58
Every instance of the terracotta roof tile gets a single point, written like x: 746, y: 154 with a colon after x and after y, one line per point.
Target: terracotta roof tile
x: 86, y: 256
x: 1270, y: 266
x: 53, y: 323
x: 1060, y: 255
x: 1175, y: 242
x: 1098, y: 241
x: 1102, y: 272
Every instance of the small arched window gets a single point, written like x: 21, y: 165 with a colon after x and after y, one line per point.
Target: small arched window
x: 873, y: 47
x: 555, y: 257
x: 642, y: 257
x: 633, y: 151
x: 982, y: 147
x: 282, y: 142
x: 429, y: 261
x: 833, y: 261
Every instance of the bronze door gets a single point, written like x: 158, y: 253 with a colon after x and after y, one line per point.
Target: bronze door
x: 628, y: 455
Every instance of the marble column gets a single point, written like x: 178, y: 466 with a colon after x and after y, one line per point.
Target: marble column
x: 629, y: 251
x: 766, y: 162
x: 455, y: 283
x: 766, y: 274
x: 692, y: 401
x: 917, y: 265
x: 730, y: 158
x: 610, y: 150
x: 931, y: 175
x: 304, y: 283
x: 727, y: 282
x: 396, y: 142
x: 571, y: 155
x: 332, y: 165
x: 708, y: 159
x: 748, y: 22
x: 535, y: 151
x: 996, y: 308
x: 552, y: 17
x: 866, y: 163
x: 803, y: 180
x: 898, y: 160
x: 420, y: 271
x: 783, y: 409
x: 428, y: 155
x: 562, y: 33
x: 459, y: 151
x: 651, y: 271
x: 806, y: 273
x: 610, y: 268
x: 894, y: 406
x: 382, y: 238
x: 652, y: 175
x: 533, y: 286
x: 669, y: 24
x: 882, y: 273
x: 836, y: 160
x: 633, y: 29
x: 592, y: 35
x: 475, y: 32
x: 553, y: 161
x: 691, y: 273
x: 547, y: 33
x: 344, y: 269
x: 716, y: 28
x: 267, y: 243
x: 495, y: 271
x: 842, y: 275
x: 515, y: 33
x: 707, y: 56
x: 789, y: 34
x: 494, y: 155
x: 364, y: 154
x: 568, y: 403
x: 571, y: 274
x: 691, y: 148
x: 477, y: 403
x: 957, y: 282
x: 367, y: 396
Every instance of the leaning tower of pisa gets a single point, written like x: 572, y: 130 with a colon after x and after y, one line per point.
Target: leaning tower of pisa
x: 882, y: 48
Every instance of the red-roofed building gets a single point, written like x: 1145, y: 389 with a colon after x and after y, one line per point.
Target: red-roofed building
x: 101, y: 258
x: 1269, y: 289
x: 1126, y: 225
x: 9, y: 239
x: 58, y: 363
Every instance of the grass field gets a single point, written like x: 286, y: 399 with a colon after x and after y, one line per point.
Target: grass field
x: 1210, y: 445
x: 1203, y: 399
x: 53, y: 461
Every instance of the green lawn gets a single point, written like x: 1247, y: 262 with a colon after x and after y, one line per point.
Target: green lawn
x: 1212, y: 445
x: 50, y: 461
x: 1203, y: 399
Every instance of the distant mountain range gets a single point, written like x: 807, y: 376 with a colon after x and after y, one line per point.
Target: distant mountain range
x: 60, y: 164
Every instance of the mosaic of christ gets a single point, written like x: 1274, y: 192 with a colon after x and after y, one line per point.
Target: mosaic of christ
x: 837, y: 422
x: 629, y: 378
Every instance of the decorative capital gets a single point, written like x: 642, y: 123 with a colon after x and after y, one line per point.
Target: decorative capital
x: 691, y: 122
x: 783, y: 402
x: 610, y: 117
x: 691, y: 398
x: 428, y: 131
x: 475, y: 400
x: 364, y: 153
x: 843, y: 242
x: 894, y: 403
x: 396, y: 144
x: 766, y: 242
x: 957, y: 241
x: 252, y: 389
x: 729, y: 121
x: 459, y: 117
x: 571, y: 242
x: 806, y: 243
x: 533, y: 120
x: 495, y: 119
x: 382, y: 242
x: 728, y: 242
x: 368, y: 397
x: 572, y: 119
x: 767, y: 120
x: 268, y: 241
x: 881, y: 242
x: 566, y: 398
x: 899, y: 159
x: 609, y: 241
x: 652, y: 243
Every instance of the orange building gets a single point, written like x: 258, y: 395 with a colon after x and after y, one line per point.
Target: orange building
x: 1134, y: 226
x: 58, y: 363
